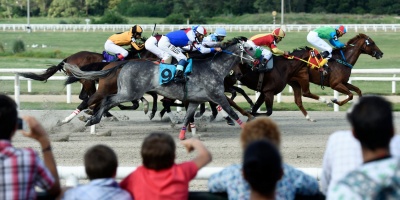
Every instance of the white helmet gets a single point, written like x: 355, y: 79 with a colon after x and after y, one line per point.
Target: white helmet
x: 199, y: 29
x: 220, y: 32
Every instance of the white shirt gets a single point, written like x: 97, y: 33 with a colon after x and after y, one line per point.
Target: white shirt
x: 343, y: 154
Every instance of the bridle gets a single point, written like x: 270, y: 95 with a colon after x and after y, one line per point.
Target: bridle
x: 242, y: 50
x: 366, y: 44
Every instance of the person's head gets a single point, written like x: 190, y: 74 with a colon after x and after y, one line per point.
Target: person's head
x: 262, y: 167
x: 340, y: 30
x: 158, y: 151
x: 260, y: 128
x: 199, y: 33
x: 371, y: 119
x: 220, y: 33
x: 136, y: 31
x: 8, y: 117
x: 278, y: 34
x: 100, y: 162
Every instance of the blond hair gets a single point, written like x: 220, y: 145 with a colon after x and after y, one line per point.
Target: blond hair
x: 260, y: 128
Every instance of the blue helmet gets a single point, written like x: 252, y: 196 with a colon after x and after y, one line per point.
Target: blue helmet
x: 220, y: 32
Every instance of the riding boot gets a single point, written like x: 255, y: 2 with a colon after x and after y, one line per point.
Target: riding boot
x: 179, y: 77
x: 120, y: 57
x: 263, y: 67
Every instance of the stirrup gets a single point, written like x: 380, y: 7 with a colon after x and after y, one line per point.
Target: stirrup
x: 323, y: 62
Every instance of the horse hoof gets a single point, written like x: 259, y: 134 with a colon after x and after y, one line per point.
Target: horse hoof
x: 212, y: 118
x: 198, y: 114
x: 146, y: 111
x: 83, y: 118
x: 88, y: 123
x: 330, y: 104
x: 60, y: 123
x: 151, y: 116
x: 88, y: 111
x: 334, y: 100
x: 229, y: 121
x: 312, y: 120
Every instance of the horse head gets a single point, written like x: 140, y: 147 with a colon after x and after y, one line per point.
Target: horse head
x: 366, y: 45
x: 240, y: 48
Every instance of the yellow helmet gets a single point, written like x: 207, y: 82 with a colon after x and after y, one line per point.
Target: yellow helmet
x: 136, y: 30
x: 278, y: 32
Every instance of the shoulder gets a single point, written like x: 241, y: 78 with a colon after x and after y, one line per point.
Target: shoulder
x: 229, y: 173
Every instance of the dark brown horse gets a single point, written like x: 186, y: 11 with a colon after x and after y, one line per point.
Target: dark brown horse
x: 339, y: 72
x: 81, y: 59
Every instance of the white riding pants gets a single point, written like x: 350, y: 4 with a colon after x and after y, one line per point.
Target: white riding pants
x: 165, y: 45
x: 316, y: 41
x: 151, y: 45
x: 113, y: 48
x: 267, y: 54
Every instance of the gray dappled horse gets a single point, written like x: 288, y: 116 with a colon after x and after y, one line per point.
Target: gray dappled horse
x: 206, y: 83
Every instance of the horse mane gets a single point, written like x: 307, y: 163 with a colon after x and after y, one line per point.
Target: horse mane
x: 352, y: 40
x: 300, y: 50
x: 233, y: 41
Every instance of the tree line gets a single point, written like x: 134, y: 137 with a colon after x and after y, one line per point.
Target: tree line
x: 196, y: 10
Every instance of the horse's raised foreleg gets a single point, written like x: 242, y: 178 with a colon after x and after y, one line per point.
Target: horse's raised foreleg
x: 191, y: 109
x: 238, y: 108
x: 344, y: 90
x: 354, y: 88
x: 298, y: 99
x: 84, y: 96
x: 145, y: 105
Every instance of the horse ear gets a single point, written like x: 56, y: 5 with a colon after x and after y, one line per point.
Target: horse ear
x: 243, y: 38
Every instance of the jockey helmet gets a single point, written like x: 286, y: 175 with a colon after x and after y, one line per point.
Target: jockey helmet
x: 278, y: 32
x: 199, y: 29
x: 220, y: 32
x: 136, y: 31
x: 341, y: 29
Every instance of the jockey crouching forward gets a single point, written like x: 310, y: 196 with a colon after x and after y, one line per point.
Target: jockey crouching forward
x: 315, y: 37
x: 114, y: 42
x: 269, y: 40
x: 170, y: 42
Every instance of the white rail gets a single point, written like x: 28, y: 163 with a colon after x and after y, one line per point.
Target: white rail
x: 171, y: 27
x: 65, y: 172
x: 17, y: 79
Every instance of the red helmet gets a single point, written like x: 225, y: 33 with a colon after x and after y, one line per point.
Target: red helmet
x: 341, y: 29
x: 278, y: 32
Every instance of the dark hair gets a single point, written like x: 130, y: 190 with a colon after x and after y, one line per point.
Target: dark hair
x: 372, y: 122
x: 8, y: 116
x: 100, y: 162
x: 262, y: 166
x: 158, y: 151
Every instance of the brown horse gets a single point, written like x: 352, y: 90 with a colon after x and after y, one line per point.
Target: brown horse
x: 339, y: 72
x: 81, y: 59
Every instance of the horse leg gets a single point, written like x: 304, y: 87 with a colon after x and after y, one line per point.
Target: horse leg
x: 238, y: 108
x: 214, y: 111
x: 167, y: 108
x: 354, y: 88
x: 191, y: 109
x: 243, y: 93
x: 298, y: 99
x: 202, y: 110
x: 145, y: 105
x: 257, y: 105
x: 221, y: 100
x: 84, y: 96
x: 344, y: 90
x: 154, y: 109
x: 135, y: 105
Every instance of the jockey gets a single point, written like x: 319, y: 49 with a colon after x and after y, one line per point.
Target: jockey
x: 170, y: 42
x: 215, y: 38
x: 151, y: 45
x: 316, y: 37
x: 269, y: 40
x: 114, y: 42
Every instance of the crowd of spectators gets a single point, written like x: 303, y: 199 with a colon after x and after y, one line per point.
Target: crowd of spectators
x: 361, y: 163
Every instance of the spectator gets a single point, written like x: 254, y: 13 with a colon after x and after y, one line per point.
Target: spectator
x: 379, y: 176
x: 262, y: 169
x: 21, y: 168
x: 160, y: 177
x: 230, y: 179
x: 101, y: 165
x: 343, y: 154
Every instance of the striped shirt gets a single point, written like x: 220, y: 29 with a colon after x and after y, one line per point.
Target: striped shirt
x: 20, y: 171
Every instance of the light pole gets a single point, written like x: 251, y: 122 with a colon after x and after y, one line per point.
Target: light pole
x: 282, y: 11
x: 273, y: 16
x: 28, y: 15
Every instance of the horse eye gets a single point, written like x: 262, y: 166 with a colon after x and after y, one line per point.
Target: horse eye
x: 251, y: 48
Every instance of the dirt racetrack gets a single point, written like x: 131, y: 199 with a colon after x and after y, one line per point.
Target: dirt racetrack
x: 303, y: 142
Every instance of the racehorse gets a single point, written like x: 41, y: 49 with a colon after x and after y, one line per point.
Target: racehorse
x: 205, y: 84
x: 339, y: 73
x: 80, y: 59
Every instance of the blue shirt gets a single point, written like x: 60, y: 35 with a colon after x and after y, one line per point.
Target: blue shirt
x: 98, y: 189
x: 178, y: 38
x: 293, y: 182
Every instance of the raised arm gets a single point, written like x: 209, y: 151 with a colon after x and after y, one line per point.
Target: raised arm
x: 38, y: 133
x: 203, y: 156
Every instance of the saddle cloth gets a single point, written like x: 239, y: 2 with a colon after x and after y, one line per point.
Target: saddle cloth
x: 109, y: 57
x: 167, y: 71
x: 314, y: 59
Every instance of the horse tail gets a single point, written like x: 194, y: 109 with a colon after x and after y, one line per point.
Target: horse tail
x: 46, y: 75
x: 92, y: 75
x: 70, y: 80
x: 90, y: 67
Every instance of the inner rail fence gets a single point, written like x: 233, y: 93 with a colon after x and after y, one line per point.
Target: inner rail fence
x: 17, y: 86
x: 171, y: 27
